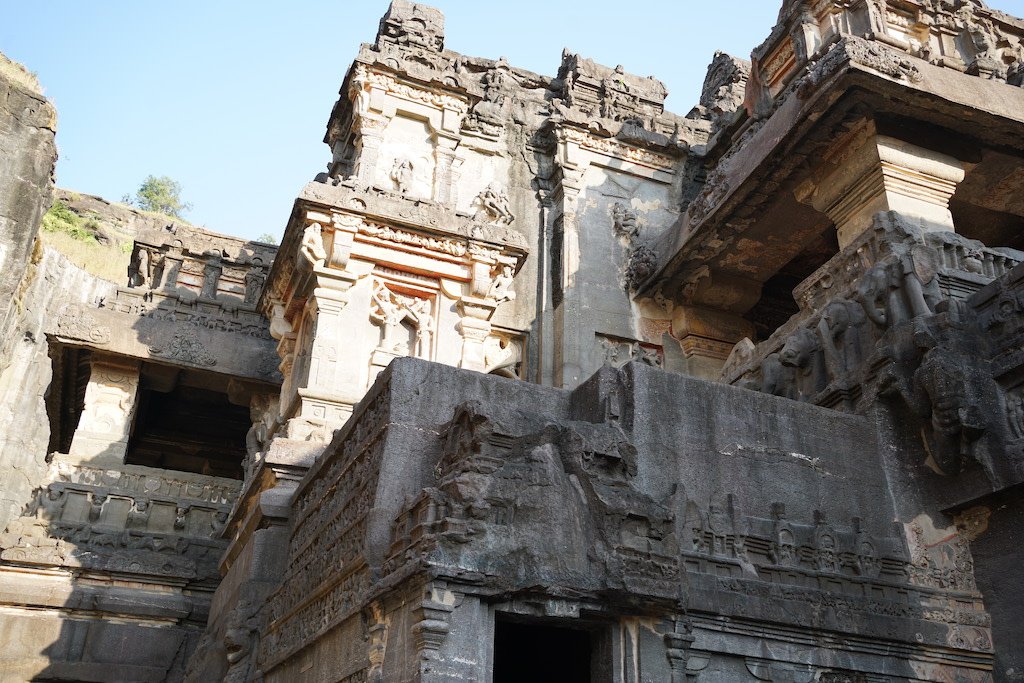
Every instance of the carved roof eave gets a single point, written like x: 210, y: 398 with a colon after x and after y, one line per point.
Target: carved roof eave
x: 130, y: 336
x: 627, y: 134
x: 763, y: 147
x: 657, y: 154
x: 197, y: 241
x: 422, y: 218
x: 444, y: 82
x: 447, y: 81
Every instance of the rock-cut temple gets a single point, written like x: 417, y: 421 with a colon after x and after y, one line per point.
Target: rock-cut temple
x: 545, y: 382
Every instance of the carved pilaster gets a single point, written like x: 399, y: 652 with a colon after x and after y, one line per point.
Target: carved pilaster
x: 371, y: 134
x: 432, y: 627
x: 444, y: 163
x: 172, y: 266
x: 677, y: 649
x: 211, y: 276
x: 569, y: 344
x: 475, y: 328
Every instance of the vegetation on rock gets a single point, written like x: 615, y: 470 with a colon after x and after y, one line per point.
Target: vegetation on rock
x: 87, y: 242
x: 160, y: 195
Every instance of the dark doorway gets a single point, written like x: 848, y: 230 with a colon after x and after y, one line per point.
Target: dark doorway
x: 188, y: 428
x: 540, y: 653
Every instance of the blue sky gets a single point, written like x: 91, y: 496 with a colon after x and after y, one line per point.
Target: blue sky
x: 231, y: 98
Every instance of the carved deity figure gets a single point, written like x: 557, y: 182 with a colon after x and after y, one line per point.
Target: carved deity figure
x: 138, y: 516
x: 614, y: 95
x: 254, y: 280
x: 501, y: 288
x: 49, y: 504
x: 421, y: 311
x: 140, y: 270
x: 494, y: 206
x: 401, y: 175
x: 312, y: 248
x: 389, y: 314
x: 624, y: 221
x: 97, y: 499
x: 180, y: 517
x: 1015, y: 415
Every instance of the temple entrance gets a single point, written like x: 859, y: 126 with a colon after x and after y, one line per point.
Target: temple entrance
x: 541, y: 653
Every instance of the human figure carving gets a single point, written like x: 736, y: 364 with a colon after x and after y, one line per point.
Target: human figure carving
x: 422, y: 312
x: 312, y: 248
x: 254, y: 280
x: 138, y: 516
x: 625, y: 221
x: 50, y: 504
x: 401, y: 175
x: 1015, y: 415
x: 501, y: 288
x: 140, y: 270
x: 494, y: 206
x: 389, y: 314
x: 96, y: 505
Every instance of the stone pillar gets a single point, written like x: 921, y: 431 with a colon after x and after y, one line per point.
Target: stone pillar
x: 707, y: 337
x: 211, y: 277
x: 105, y: 424
x: 310, y: 391
x: 475, y: 327
x: 869, y: 172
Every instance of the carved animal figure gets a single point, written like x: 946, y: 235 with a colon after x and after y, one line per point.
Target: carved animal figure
x: 777, y: 379
x: 802, y: 352
x: 841, y: 339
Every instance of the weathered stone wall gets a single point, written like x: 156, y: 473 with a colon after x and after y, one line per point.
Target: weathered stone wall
x: 27, y: 158
x: 644, y: 505
x: 24, y: 424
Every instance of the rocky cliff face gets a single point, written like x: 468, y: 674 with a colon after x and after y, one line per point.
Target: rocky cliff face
x: 27, y: 158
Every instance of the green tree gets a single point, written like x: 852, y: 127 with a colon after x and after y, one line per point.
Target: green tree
x: 267, y: 238
x: 161, y: 195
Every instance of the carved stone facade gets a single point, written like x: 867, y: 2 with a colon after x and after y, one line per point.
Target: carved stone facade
x: 463, y: 413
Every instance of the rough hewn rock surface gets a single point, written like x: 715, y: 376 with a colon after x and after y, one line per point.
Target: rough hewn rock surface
x: 27, y: 158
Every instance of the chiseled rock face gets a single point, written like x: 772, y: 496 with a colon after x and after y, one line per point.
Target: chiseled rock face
x: 27, y: 158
